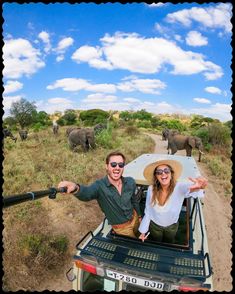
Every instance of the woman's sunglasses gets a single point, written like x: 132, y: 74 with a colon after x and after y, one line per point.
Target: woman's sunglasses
x: 161, y: 171
x: 120, y: 164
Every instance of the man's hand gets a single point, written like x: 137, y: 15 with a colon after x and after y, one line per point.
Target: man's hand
x: 71, y: 187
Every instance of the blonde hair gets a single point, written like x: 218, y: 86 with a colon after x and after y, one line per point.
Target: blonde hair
x: 157, y: 188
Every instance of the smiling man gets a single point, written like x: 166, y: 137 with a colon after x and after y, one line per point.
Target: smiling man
x: 115, y: 195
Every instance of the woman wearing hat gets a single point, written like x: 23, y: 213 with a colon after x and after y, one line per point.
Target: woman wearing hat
x: 164, y: 199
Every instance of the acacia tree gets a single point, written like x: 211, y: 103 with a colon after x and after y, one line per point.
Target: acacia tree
x: 22, y: 111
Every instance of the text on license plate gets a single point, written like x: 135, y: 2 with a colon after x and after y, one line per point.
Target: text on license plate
x: 134, y: 280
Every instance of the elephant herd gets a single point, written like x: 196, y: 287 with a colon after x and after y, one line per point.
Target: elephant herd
x: 84, y: 137
x: 7, y: 133
x: 177, y: 141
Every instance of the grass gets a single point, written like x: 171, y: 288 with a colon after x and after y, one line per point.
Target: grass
x: 34, y: 251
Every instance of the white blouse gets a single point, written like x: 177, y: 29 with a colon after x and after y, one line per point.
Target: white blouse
x: 167, y: 214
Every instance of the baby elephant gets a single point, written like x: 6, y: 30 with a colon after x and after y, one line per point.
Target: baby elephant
x: 23, y: 134
x: 8, y: 133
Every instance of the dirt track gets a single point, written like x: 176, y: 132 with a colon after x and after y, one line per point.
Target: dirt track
x: 217, y: 213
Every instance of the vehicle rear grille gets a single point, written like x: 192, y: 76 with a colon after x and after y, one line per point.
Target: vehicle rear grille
x: 146, y: 259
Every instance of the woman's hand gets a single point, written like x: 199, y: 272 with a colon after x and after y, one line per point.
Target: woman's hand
x: 199, y: 183
x: 143, y: 236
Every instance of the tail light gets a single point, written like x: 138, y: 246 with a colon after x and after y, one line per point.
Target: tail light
x: 90, y: 266
x: 191, y: 289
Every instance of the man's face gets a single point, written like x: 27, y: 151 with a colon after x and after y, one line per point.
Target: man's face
x: 115, y: 167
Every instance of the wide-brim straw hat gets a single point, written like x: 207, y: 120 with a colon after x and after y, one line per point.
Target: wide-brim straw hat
x: 175, y: 165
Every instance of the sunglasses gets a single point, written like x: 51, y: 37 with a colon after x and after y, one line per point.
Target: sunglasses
x: 120, y: 164
x: 161, y: 171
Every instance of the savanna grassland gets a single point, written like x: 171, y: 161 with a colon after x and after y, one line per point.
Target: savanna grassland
x: 37, y: 235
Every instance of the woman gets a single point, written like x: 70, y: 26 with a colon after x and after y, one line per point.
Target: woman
x: 164, y: 199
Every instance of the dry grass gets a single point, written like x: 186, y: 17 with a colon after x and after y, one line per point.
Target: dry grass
x: 36, y: 235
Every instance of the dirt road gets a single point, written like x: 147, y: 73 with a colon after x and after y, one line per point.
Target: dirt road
x: 218, y: 217
x: 217, y: 213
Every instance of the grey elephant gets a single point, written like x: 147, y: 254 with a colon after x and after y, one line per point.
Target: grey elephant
x: 100, y: 127
x: 168, y: 132
x: 23, y: 134
x: 8, y: 133
x: 70, y: 129
x: 180, y: 142
x: 84, y: 137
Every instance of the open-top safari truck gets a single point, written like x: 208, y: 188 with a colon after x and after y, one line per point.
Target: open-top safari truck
x: 106, y: 261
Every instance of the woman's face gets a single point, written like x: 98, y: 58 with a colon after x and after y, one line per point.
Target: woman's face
x: 163, y: 174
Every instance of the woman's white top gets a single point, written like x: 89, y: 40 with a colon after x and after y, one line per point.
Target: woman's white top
x: 167, y: 214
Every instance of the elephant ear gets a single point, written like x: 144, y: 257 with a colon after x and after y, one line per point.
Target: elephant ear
x: 192, y: 142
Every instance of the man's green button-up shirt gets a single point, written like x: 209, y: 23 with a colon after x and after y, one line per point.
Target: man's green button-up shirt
x: 117, y: 208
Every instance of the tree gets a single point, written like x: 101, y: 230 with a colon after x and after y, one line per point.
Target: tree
x: 94, y: 116
x: 22, y: 111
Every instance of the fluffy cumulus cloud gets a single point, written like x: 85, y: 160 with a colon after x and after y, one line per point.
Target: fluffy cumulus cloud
x: 12, y: 86
x: 216, y: 17
x: 202, y: 100
x: 20, y: 58
x: 98, y: 97
x: 195, y: 38
x: 45, y: 37
x: 148, y: 86
x: 213, y: 90
x: 55, y: 104
x: 74, y: 85
x: 218, y: 110
x: 145, y: 55
x: 7, y: 102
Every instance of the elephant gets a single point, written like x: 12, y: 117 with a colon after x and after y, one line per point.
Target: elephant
x: 23, y: 134
x: 180, y: 142
x: 84, y: 137
x: 8, y: 133
x: 168, y: 132
x: 100, y: 127
x: 55, y: 128
x: 70, y: 129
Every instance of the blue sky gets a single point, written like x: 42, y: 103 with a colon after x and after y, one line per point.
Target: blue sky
x: 164, y: 58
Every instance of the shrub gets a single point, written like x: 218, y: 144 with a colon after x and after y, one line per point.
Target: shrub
x: 132, y: 131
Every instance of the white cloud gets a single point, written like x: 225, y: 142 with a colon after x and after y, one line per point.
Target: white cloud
x: 159, y: 4
x: 218, y: 111
x: 98, y: 97
x: 145, y: 55
x: 45, y: 37
x: 73, y: 85
x: 195, y: 38
x: 202, y: 100
x: 148, y: 86
x: 55, y: 104
x: 64, y: 44
x: 7, y: 102
x: 60, y: 58
x: 217, y: 17
x: 20, y: 58
x: 12, y: 86
x: 213, y: 90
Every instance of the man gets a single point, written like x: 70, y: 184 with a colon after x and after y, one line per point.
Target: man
x: 115, y: 195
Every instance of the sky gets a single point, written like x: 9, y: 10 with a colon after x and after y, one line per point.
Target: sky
x: 162, y: 57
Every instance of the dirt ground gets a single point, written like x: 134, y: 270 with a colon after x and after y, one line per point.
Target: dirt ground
x: 217, y: 214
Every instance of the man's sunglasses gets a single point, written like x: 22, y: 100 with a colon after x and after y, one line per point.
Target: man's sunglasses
x: 120, y: 164
x: 161, y: 171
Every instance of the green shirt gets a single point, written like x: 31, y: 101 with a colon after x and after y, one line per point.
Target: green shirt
x: 117, y: 208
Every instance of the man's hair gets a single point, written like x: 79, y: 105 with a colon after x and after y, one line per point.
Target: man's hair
x: 115, y: 153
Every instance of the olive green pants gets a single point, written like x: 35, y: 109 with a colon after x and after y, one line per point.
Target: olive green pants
x: 163, y: 234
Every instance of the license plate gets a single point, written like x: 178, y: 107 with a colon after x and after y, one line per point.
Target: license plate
x: 136, y: 281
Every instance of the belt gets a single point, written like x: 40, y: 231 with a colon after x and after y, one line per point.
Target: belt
x: 123, y: 225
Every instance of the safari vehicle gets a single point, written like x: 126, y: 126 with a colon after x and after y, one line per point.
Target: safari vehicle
x: 106, y: 261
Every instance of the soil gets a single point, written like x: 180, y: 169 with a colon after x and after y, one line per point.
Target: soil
x: 217, y: 214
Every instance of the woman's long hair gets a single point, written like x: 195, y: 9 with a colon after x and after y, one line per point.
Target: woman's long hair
x: 157, y: 188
